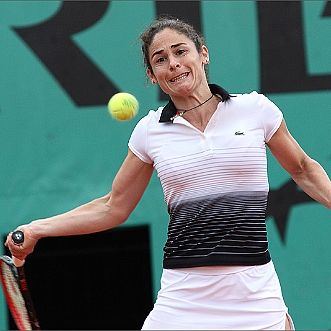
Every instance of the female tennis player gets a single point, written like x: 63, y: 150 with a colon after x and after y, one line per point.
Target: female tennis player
x: 209, y: 150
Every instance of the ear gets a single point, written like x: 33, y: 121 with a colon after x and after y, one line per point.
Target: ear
x: 205, y: 55
x: 151, y: 76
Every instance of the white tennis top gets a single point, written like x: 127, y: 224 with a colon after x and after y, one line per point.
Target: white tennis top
x: 215, y: 182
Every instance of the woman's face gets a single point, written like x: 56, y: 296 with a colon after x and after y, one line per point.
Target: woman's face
x: 176, y: 64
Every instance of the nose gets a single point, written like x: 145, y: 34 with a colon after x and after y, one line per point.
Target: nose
x: 174, y: 64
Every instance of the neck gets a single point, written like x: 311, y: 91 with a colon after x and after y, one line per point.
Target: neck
x: 181, y: 112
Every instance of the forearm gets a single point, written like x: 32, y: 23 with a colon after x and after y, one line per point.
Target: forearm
x: 314, y: 181
x: 91, y: 217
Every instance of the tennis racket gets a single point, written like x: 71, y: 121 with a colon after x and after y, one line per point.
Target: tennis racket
x: 16, y: 291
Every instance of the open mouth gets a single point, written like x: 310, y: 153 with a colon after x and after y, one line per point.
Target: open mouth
x: 180, y: 77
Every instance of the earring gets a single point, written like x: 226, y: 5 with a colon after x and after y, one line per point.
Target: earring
x: 207, y: 60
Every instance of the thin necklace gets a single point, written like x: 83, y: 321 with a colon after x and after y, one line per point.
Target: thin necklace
x: 181, y: 112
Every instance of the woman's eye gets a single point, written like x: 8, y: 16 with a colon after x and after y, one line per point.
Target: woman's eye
x: 160, y: 59
x: 181, y: 51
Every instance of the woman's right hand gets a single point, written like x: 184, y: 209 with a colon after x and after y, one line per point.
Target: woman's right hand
x: 21, y: 251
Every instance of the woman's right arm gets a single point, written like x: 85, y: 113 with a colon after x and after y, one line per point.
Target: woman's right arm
x: 98, y: 215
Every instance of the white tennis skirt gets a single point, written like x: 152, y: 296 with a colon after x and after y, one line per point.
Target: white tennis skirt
x: 226, y: 297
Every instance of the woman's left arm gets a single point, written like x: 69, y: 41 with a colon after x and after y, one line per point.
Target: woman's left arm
x: 306, y: 172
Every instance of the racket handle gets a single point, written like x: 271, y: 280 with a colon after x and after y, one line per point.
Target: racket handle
x: 18, y: 239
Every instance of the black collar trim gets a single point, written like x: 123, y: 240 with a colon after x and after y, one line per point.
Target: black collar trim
x: 170, y: 110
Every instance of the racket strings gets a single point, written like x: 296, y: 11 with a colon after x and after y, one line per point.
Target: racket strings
x: 14, y: 297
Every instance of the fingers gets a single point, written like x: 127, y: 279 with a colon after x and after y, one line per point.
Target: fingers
x: 7, y: 239
x: 27, y: 245
x: 18, y: 251
x: 18, y: 262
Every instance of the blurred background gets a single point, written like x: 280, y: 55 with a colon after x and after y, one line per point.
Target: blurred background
x: 61, y: 61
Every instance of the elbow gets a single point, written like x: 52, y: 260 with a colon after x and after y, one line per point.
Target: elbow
x: 112, y: 220
x: 117, y: 213
x: 301, y: 168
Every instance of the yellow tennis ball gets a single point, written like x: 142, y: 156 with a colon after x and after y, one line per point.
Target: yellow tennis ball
x: 123, y: 106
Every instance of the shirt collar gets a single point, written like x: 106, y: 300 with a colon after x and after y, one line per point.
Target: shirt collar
x: 170, y: 110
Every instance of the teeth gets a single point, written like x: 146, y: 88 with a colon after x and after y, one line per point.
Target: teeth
x: 179, y: 77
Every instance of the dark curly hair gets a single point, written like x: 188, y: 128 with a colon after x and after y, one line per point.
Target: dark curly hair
x: 173, y: 23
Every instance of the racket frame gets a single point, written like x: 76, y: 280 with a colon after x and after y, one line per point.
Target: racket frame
x: 13, y: 294
x: 22, y: 290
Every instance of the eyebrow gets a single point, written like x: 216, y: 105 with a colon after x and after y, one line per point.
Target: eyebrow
x: 161, y: 50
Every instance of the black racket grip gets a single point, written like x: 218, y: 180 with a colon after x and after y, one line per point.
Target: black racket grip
x: 18, y: 237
